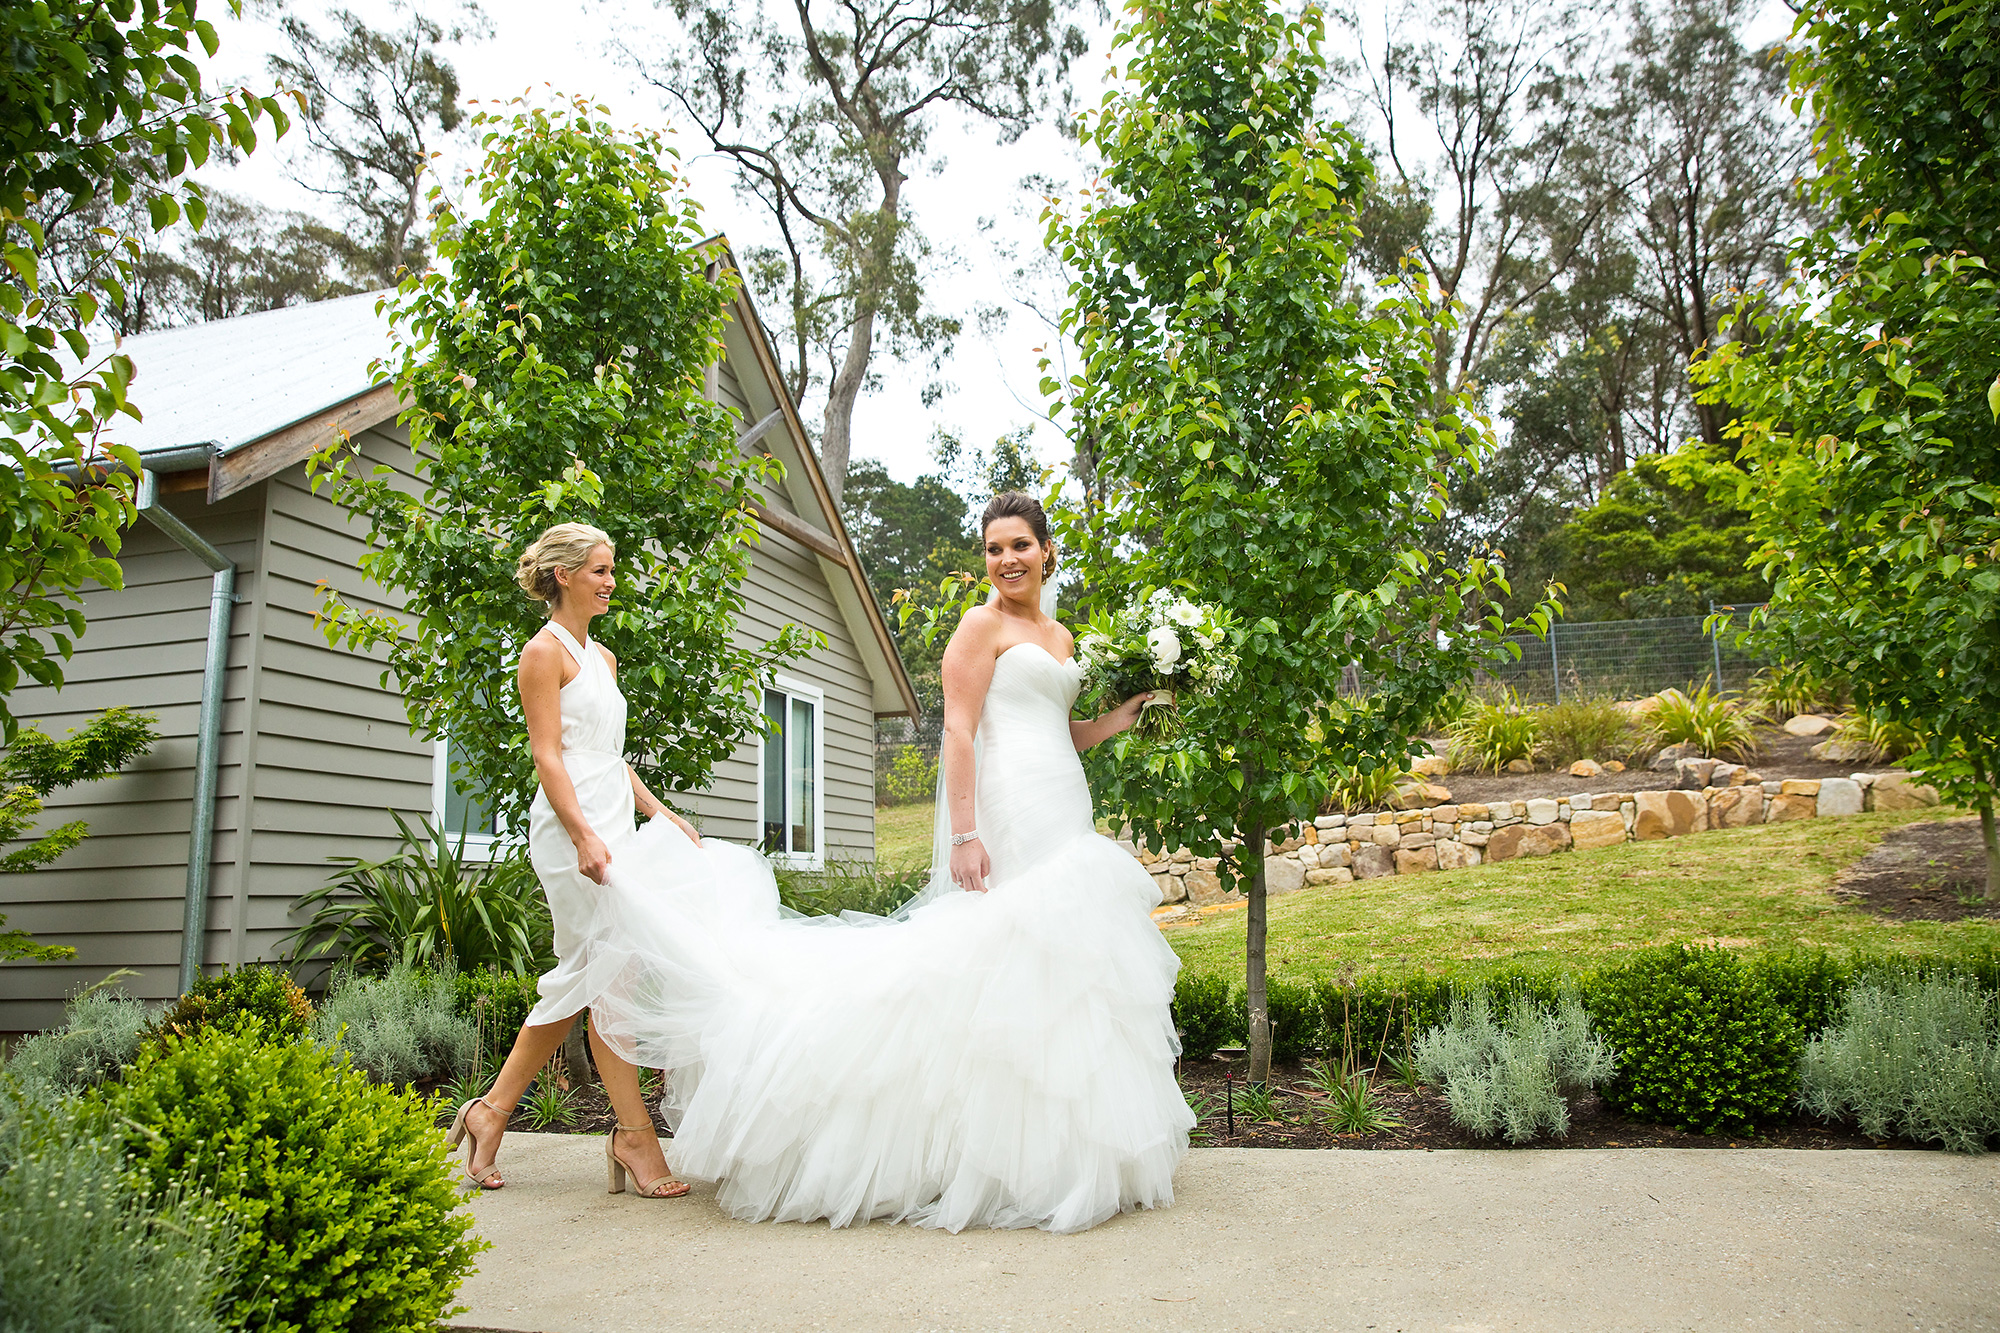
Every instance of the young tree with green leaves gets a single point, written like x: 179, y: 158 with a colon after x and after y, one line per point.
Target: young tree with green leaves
x: 1867, y: 441
x: 36, y: 766
x: 556, y: 374
x: 94, y: 99
x: 1266, y: 444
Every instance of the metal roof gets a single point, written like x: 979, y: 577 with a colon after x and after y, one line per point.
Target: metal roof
x: 230, y: 382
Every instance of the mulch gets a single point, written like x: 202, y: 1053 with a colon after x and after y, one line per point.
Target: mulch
x: 1424, y: 1116
x: 1933, y: 871
x: 1426, y: 1120
x: 1781, y: 756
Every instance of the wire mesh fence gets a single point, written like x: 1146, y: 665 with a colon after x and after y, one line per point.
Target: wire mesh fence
x: 1627, y: 659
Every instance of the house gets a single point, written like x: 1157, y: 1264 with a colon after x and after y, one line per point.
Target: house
x: 310, y: 751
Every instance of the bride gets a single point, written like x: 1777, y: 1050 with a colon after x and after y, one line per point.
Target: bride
x: 998, y: 1054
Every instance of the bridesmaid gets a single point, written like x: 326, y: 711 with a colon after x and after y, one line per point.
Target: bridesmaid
x: 582, y: 813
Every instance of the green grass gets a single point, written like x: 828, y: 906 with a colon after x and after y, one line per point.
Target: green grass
x: 903, y: 836
x: 1765, y: 886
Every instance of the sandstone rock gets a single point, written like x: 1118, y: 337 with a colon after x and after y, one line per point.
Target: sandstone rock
x: 1147, y: 856
x: 1666, y: 759
x: 1586, y: 768
x: 1309, y: 857
x: 1694, y: 773
x: 1475, y: 837
x: 1372, y: 862
x: 1613, y: 766
x: 1472, y: 811
x: 1205, y: 887
x: 1386, y: 835
x: 1808, y: 724
x: 1798, y: 787
x: 1283, y: 875
x: 1406, y: 818
x: 1335, y: 855
x: 1430, y: 766
x: 1456, y: 856
x: 1360, y: 821
x: 1772, y: 788
x: 1736, y: 807
x: 1412, y: 861
x: 1542, y: 811
x: 1411, y: 841
x: 1171, y: 890
x: 1839, y: 796
x: 1207, y: 862
x: 1330, y: 875
x: 1519, y: 766
x: 1444, y: 814
x: 1724, y: 775
x: 1309, y: 835
x: 1668, y: 814
x: 1837, y: 751
x: 1596, y: 828
x: 1900, y: 791
x: 1784, y: 808
x: 1181, y: 856
x: 1325, y: 822
x: 1527, y: 840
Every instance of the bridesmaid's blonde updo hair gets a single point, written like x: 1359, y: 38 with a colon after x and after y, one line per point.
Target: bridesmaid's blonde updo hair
x: 566, y: 546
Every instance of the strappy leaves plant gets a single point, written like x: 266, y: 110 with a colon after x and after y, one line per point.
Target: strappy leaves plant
x: 424, y: 905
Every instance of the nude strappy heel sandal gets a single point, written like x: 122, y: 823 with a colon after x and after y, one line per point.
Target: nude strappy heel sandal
x: 489, y: 1179
x: 664, y: 1187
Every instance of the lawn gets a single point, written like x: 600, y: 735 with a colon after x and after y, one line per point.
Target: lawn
x: 903, y: 836
x: 1761, y: 886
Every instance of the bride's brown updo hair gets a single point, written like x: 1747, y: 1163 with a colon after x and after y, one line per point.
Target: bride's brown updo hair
x: 566, y: 546
x: 1019, y: 504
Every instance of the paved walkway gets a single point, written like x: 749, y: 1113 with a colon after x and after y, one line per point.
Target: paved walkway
x: 1637, y: 1239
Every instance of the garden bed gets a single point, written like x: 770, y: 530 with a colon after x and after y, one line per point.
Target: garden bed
x: 1782, y: 755
x: 1923, y: 872
x: 1426, y: 1120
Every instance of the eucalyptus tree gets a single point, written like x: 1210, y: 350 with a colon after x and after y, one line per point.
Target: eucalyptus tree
x: 826, y: 113
x: 556, y: 374
x: 379, y: 103
x: 1268, y: 445
x: 1867, y: 435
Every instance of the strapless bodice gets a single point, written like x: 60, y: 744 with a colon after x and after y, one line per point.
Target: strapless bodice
x: 1031, y: 792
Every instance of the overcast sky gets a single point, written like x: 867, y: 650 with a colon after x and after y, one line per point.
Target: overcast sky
x: 974, y: 209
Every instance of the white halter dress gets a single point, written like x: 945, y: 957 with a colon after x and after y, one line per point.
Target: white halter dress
x: 593, y: 753
x: 1003, y: 1059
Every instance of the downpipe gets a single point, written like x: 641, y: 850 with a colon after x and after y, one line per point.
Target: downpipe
x: 208, y: 733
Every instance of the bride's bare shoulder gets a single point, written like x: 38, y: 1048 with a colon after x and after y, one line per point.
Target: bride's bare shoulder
x: 978, y: 628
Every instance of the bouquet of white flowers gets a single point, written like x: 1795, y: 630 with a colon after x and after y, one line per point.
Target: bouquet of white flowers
x: 1164, y: 644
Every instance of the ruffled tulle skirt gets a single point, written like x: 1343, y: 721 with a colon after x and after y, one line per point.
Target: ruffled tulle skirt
x: 1002, y: 1059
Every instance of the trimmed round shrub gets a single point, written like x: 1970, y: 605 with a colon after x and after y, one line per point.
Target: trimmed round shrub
x: 1204, y: 1016
x: 345, y: 1212
x: 228, y: 998
x: 1701, y: 1043
x: 81, y: 1249
x: 497, y: 1003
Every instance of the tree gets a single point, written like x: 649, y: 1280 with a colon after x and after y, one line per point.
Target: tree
x: 910, y: 537
x: 556, y: 375
x: 1655, y: 544
x: 33, y: 768
x: 1869, y: 401
x: 89, y: 92
x: 825, y: 123
x: 1271, y: 447
x: 378, y: 103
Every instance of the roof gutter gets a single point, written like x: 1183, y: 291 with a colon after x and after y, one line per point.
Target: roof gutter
x: 208, y: 734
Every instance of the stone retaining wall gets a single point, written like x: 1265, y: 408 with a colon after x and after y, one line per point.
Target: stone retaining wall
x: 1439, y: 835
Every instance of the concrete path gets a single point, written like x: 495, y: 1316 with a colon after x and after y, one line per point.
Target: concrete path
x: 1638, y: 1239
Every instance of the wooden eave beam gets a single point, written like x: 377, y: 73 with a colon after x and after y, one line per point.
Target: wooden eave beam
x: 267, y: 457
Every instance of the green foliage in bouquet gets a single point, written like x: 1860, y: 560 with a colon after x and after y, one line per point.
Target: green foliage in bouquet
x: 1253, y: 437
x: 1160, y: 644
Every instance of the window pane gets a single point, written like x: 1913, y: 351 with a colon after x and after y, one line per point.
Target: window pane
x: 801, y: 749
x: 774, y: 773
x: 463, y: 813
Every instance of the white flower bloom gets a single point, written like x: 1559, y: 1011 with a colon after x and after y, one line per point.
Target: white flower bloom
x: 1185, y: 612
x: 1165, y: 646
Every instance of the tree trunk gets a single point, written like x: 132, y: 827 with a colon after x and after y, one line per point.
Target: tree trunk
x: 576, y: 1053
x: 1259, y: 1036
x: 1992, y: 836
x: 836, y: 436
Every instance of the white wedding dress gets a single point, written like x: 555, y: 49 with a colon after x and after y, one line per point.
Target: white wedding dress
x: 1003, y: 1059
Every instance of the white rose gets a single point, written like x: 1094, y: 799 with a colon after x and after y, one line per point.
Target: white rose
x: 1165, y: 646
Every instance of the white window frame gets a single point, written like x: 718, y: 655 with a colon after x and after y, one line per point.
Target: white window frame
x: 479, y: 847
x: 792, y: 688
